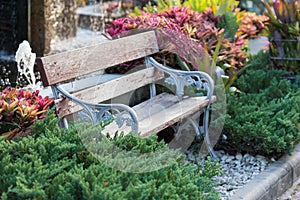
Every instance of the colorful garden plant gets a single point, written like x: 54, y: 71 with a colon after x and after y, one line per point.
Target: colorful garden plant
x: 19, y: 109
x: 251, y: 25
x: 200, y: 26
x: 205, y: 28
x: 284, y: 32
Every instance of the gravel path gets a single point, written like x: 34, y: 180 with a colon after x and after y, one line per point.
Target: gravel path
x: 238, y: 170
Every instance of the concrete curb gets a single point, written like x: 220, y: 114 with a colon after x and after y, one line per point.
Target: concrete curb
x: 274, y: 181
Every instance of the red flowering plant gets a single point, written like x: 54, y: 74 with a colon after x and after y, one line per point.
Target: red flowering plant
x: 200, y: 26
x: 203, y: 27
x: 19, y: 109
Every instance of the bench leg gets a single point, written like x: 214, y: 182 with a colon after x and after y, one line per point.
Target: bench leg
x: 206, y: 134
x: 185, y: 137
x: 64, y: 123
x: 203, y: 131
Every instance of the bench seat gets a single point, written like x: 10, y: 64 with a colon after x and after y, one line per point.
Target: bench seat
x: 160, y: 112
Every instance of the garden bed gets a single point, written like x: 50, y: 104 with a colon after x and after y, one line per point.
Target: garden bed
x: 263, y: 110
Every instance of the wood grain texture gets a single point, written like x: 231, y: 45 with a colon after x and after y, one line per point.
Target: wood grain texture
x: 71, y: 64
x: 168, y: 114
x: 110, y: 89
x: 161, y: 112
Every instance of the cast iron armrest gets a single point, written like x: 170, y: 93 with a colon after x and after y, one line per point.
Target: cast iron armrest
x: 183, y: 78
x: 98, y: 112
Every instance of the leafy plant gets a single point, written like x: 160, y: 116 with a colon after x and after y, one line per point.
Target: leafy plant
x: 284, y: 32
x: 161, y: 5
x: 211, y: 168
x: 266, y: 112
x: 199, y: 26
x: 251, y: 25
x: 19, y: 109
x: 54, y: 164
x: 219, y: 7
x: 204, y: 27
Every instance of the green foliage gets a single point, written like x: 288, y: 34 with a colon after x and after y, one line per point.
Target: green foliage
x: 134, y: 143
x: 55, y: 164
x: 230, y: 24
x: 283, y: 32
x: 167, y: 4
x: 264, y: 117
x: 219, y: 7
x: 211, y: 168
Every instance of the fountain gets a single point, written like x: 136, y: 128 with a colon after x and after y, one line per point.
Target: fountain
x: 13, y: 30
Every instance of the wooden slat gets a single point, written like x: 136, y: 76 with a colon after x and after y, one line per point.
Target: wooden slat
x: 111, y: 89
x: 170, y: 114
x: 161, y: 112
x: 71, y: 64
x: 157, y: 104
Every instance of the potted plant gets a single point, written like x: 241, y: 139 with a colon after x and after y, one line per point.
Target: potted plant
x: 284, y: 35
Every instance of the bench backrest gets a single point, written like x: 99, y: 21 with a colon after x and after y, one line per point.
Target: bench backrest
x: 68, y: 65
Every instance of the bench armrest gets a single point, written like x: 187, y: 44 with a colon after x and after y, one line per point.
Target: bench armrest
x: 97, y: 112
x: 184, y: 78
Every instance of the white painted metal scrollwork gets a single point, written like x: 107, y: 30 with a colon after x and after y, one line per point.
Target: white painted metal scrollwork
x: 122, y: 114
x: 181, y: 79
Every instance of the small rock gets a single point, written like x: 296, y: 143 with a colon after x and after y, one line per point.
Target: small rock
x: 246, y: 156
x: 237, y: 164
x: 191, y: 157
x: 224, y: 157
x: 229, y: 187
x: 231, y: 193
x: 238, y: 171
x: 255, y: 173
x: 229, y: 160
x: 222, y: 181
x: 239, y: 157
x: 233, y: 182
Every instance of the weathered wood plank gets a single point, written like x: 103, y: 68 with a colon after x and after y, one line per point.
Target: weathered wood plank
x: 157, y: 104
x: 144, y: 111
x: 71, y: 64
x: 169, y: 115
x: 161, y: 112
x: 111, y: 89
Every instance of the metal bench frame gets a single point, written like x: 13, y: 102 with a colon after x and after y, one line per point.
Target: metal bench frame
x: 125, y: 115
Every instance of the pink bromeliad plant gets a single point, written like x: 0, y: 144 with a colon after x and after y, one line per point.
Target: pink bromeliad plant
x: 19, y: 109
x: 203, y: 27
x: 199, y: 26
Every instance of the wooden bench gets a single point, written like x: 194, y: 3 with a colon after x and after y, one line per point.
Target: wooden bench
x: 148, y: 117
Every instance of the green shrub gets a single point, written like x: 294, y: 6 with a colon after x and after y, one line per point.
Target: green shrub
x: 265, y: 117
x: 55, y: 164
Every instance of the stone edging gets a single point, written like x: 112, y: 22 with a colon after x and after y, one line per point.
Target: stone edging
x: 274, y: 181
